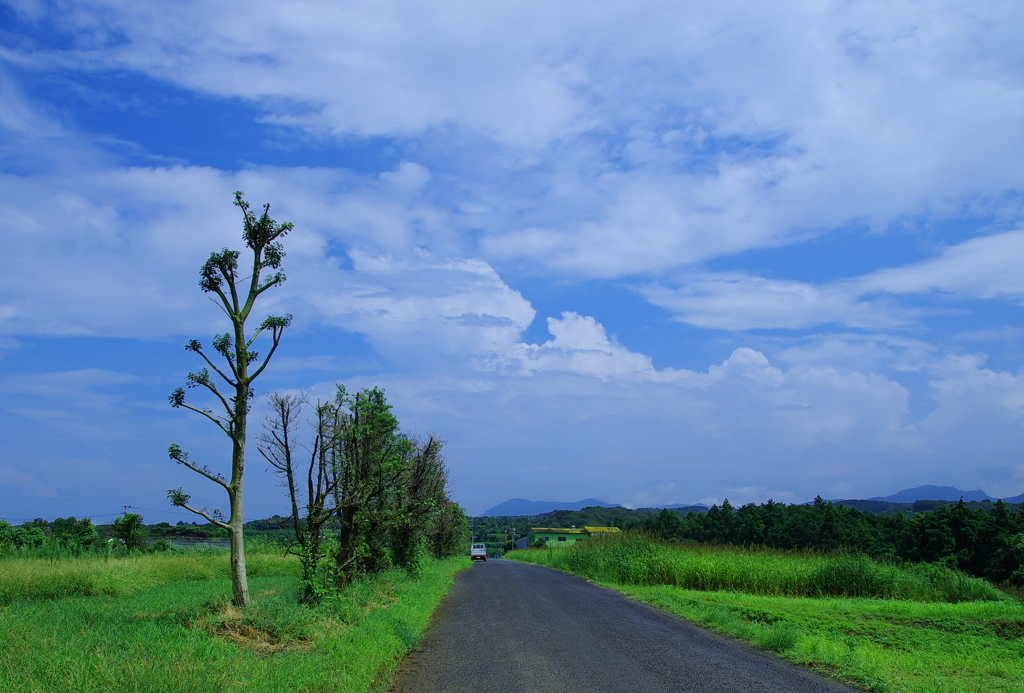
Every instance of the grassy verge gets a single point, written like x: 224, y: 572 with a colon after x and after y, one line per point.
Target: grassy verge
x: 879, y: 644
x: 947, y: 634
x: 173, y: 629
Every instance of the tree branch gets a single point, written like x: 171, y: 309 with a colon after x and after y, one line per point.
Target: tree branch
x: 203, y: 513
x: 210, y: 416
x: 181, y: 457
x: 223, y: 400
x: 226, y: 307
x: 255, y: 334
x: 212, y: 365
x: 275, y: 281
x: 277, y: 340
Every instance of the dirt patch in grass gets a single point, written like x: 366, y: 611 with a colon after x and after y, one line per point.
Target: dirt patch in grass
x: 1008, y: 630
x: 230, y: 623
x: 244, y: 635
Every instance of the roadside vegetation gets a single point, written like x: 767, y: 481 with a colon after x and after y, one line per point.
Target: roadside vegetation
x: 165, y: 622
x: 982, y: 539
x: 882, y: 626
x: 986, y: 540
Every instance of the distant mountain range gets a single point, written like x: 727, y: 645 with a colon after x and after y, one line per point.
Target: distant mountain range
x: 946, y: 493
x: 521, y: 506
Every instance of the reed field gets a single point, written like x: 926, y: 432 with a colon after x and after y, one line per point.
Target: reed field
x: 886, y: 628
x: 164, y: 623
x: 634, y: 559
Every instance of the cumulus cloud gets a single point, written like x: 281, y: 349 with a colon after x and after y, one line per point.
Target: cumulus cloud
x: 581, y: 345
x: 419, y: 306
x: 600, y: 422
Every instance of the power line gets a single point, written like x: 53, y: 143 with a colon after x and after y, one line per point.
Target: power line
x: 124, y: 509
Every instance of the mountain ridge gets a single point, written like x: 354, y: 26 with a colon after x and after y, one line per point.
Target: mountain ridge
x: 946, y: 493
x: 520, y: 506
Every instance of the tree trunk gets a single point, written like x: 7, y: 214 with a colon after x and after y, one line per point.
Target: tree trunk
x: 345, y: 556
x: 239, y: 578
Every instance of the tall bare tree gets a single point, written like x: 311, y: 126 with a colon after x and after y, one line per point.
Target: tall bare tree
x: 312, y: 501
x: 235, y: 292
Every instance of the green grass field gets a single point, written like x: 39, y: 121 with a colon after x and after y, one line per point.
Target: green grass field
x: 921, y: 630
x: 164, y: 623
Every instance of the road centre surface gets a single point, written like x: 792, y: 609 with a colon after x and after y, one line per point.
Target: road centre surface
x: 509, y: 627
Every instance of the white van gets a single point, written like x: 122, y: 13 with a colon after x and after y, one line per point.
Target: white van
x: 478, y: 552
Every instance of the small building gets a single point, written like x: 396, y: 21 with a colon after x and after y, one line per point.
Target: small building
x: 557, y: 536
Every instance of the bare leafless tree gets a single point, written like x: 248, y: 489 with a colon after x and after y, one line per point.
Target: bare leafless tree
x: 312, y: 506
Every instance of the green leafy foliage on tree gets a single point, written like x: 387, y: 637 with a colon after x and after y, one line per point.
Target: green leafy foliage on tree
x: 65, y: 535
x: 75, y: 534
x: 235, y: 290
x: 28, y: 535
x: 366, y: 497
x: 129, y: 530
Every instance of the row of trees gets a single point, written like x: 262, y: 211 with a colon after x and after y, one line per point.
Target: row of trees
x: 365, y: 497
x: 385, y: 490
x: 986, y: 542
x: 72, y: 534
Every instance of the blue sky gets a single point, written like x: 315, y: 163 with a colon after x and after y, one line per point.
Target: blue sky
x: 649, y: 252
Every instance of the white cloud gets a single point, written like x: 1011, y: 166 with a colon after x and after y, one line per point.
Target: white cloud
x: 661, y: 133
x: 748, y: 363
x: 739, y: 301
x: 591, y: 139
x: 420, y: 307
x: 116, y: 252
x: 581, y: 345
x: 859, y: 352
x: 65, y: 383
x: 624, y: 434
x: 985, y: 267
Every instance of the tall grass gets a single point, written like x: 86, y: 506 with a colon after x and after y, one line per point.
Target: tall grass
x: 166, y: 626
x: 90, y: 575
x: 633, y: 559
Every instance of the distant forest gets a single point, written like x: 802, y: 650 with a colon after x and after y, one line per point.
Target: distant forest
x: 984, y: 539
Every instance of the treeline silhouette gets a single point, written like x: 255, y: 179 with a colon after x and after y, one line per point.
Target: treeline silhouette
x: 985, y: 541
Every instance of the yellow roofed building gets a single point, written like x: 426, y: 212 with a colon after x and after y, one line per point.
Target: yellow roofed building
x: 558, y: 536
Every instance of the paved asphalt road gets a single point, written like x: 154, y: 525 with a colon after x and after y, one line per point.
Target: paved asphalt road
x: 509, y: 627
